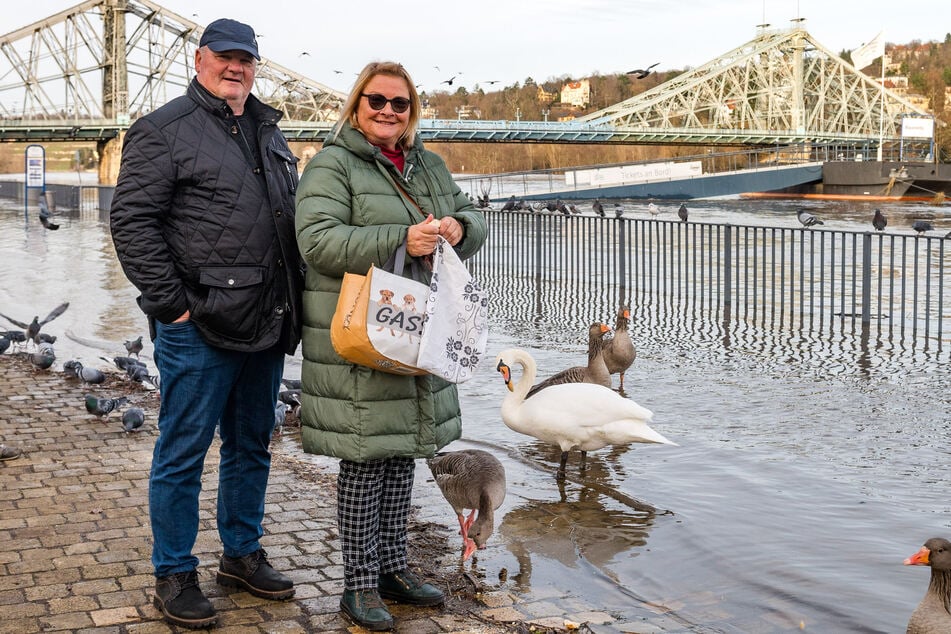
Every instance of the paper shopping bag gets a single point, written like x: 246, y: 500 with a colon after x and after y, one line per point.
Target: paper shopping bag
x: 348, y: 328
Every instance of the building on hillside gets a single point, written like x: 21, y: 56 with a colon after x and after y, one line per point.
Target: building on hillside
x: 543, y: 96
x: 576, y: 93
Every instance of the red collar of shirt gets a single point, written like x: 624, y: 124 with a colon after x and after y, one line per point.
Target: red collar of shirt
x: 396, y: 157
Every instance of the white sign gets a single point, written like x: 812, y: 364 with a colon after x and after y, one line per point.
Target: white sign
x: 629, y: 174
x: 35, y: 166
x: 917, y: 127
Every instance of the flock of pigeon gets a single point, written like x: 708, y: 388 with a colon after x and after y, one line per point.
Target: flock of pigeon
x: 879, y: 222
x: 39, y: 351
x: 806, y: 219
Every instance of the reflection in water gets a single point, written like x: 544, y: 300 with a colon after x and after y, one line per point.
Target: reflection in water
x: 576, y: 532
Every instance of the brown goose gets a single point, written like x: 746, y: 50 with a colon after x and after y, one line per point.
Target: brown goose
x: 471, y: 479
x: 619, y: 352
x: 595, y: 372
x: 933, y: 614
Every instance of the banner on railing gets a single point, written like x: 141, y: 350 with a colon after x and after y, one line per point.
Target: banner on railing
x: 633, y: 173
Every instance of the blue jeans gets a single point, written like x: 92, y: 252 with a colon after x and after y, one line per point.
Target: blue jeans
x: 204, y: 387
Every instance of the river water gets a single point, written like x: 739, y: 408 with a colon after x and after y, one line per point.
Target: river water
x: 801, y: 479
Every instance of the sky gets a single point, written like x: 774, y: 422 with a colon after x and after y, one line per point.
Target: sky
x: 507, y: 41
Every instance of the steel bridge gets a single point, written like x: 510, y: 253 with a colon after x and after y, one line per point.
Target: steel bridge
x: 87, y: 72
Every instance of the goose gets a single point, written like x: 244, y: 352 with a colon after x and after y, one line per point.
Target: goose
x: 933, y: 614
x: 595, y: 372
x: 580, y: 416
x: 619, y: 352
x: 471, y: 479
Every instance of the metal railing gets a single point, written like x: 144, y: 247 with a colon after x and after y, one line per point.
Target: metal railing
x: 795, y: 278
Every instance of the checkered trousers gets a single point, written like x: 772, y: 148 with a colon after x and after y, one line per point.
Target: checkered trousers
x: 373, y: 503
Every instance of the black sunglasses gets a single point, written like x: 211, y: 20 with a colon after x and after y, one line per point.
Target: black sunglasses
x: 378, y: 102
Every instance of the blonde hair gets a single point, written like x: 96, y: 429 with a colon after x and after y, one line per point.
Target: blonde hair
x: 393, y: 69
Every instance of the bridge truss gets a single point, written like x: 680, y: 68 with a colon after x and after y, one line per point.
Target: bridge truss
x: 780, y: 85
x: 117, y: 59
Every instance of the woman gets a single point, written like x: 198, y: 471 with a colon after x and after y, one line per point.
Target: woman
x: 372, y: 187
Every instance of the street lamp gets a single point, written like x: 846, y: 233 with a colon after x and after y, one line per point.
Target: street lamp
x: 545, y: 114
x: 518, y: 114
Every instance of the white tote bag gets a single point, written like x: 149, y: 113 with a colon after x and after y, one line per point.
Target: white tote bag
x: 457, y: 319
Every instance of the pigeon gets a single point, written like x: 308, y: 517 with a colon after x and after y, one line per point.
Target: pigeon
x: 4, y: 343
x: 641, y: 73
x: 280, y: 415
x: 807, y: 219
x: 140, y: 373
x: 15, y: 336
x: 618, y: 210
x: 134, y: 346
x: 46, y: 218
x: 291, y: 384
x: 562, y: 207
x: 682, y: 212
x: 291, y: 398
x: 879, y: 221
x: 84, y: 374
x: 32, y: 329
x: 132, y: 418
x: 921, y: 226
x: 45, y: 338
x: 598, y: 207
x: 124, y: 363
x: 509, y: 204
x: 653, y: 209
x: 44, y: 357
x: 573, y: 208
x: 102, y: 406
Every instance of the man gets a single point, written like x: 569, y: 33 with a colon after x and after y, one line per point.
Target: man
x: 203, y: 225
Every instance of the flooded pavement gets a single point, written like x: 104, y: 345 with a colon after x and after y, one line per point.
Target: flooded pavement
x: 808, y: 465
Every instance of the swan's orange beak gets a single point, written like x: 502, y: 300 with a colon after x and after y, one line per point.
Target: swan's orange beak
x: 506, y: 373
x: 920, y: 558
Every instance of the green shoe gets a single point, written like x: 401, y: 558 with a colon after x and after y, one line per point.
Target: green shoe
x: 366, y: 608
x: 405, y: 587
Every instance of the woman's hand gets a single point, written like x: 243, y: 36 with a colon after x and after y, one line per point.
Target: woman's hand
x: 451, y: 230
x: 421, y: 238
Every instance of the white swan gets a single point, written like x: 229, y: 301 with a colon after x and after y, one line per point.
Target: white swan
x: 572, y: 415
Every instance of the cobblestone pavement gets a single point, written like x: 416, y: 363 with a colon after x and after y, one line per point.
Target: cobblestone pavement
x: 75, y: 542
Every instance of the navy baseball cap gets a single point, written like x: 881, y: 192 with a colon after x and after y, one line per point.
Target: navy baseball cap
x: 230, y: 35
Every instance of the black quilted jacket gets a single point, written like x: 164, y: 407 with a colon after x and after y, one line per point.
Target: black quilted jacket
x: 197, y: 227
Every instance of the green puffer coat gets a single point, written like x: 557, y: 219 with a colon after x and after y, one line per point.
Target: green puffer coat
x: 349, y: 216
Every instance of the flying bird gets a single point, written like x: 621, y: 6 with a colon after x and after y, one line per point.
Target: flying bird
x: 449, y: 81
x: 879, y: 221
x: 101, y: 407
x: 807, y: 219
x: 86, y: 375
x: 471, y: 479
x: 132, y: 418
x: 921, y: 226
x: 32, y: 329
x: 641, y: 73
x: 572, y: 415
x: 932, y: 615
x: 682, y: 213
